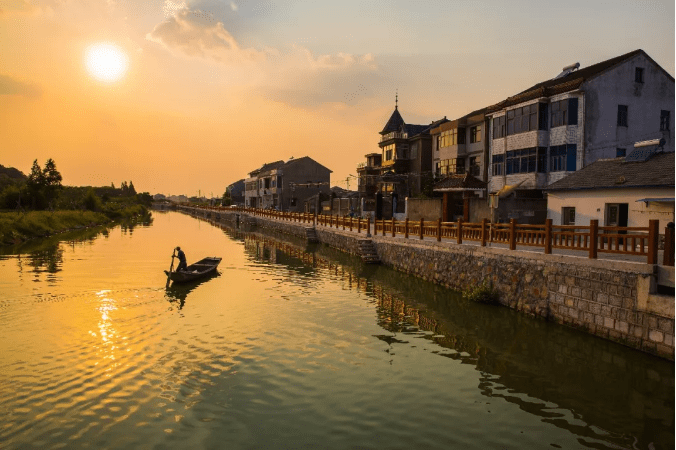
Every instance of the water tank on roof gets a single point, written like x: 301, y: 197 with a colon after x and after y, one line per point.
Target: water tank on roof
x: 567, y: 70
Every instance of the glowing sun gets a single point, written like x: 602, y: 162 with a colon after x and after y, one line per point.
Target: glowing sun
x: 106, y: 62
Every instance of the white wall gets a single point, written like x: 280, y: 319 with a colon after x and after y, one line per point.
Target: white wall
x: 590, y: 204
x: 644, y: 100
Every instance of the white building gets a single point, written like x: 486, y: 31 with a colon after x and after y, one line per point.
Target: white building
x: 561, y: 125
x: 623, y: 192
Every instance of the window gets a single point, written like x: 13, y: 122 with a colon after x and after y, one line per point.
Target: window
x: 523, y: 119
x: 453, y: 136
x: 620, y: 152
x: 498, y: 163
x: 638, y: 75
x: 664, y: 120
x: 474, y: 168
x: 562, y: 158
x: 542, y: 125
x: 568, y: 216
x: 560, y: 113
x: 388, y: 150
x: 542, y: 159
x: 499, y: 127
x: 475, y: 134
x: 622, y: 116
x: 520, y: 161
x: 452, y: 166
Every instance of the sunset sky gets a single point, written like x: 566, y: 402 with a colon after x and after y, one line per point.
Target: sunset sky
x: 210, y: 90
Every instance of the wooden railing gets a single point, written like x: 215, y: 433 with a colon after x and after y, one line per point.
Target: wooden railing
x: 593, y: 239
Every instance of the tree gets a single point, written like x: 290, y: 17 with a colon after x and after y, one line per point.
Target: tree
x: 132, y: 191
x: 52, y: 180
x: 227, y: 200
x: 35, y: 185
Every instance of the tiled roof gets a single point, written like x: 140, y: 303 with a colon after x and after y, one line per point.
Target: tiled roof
x: 570, y: 82
x: 394, y: 124
x: 295, y: 160
x: 657, y: 171
x: 267, y: 166
x: 464, y: 182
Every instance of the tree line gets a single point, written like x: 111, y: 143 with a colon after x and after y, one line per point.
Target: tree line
x: 43, y: 189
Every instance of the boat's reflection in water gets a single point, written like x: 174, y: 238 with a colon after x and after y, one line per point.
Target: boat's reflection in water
x: 177, y: 293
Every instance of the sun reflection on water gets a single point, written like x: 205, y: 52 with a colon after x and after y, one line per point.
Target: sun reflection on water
x: 107, y: 331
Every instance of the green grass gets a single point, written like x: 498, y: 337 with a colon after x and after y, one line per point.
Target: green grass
x: 17, y: 227
x: 482, y: 293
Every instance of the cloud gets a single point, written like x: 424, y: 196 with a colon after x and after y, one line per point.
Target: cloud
x: 11, y: 86
x: 293, y: 76
x: 194, y: 33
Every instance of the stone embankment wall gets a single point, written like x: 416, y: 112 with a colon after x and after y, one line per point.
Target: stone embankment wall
x: 610, y: 299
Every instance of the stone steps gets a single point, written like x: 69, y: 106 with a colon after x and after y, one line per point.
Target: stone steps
x: 368, y: 252
x: 311, y: 235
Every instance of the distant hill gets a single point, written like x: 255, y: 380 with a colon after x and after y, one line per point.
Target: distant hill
x: 11, y: 172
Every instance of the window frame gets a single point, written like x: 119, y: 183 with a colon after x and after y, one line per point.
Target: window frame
x: 665, y: 119
x: 566, y: 212
x: 475, y: 134
x: 499, y: 127
x: 638, y: 75
x: 623, y: 116
x: 498, y: 164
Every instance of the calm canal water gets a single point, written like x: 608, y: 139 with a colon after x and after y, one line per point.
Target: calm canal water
x: 291, y: 348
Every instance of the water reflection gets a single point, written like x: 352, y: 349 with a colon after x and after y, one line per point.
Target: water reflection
x: 177, y: 293
x: 596, y: 389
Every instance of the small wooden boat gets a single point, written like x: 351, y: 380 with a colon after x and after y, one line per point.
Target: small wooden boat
x: 194, y: 271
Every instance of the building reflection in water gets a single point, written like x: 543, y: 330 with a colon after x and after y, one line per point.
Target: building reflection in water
x: 570, y: 379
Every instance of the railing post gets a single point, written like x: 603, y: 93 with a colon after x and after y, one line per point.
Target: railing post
x: 459, y: 237
x: 422, y: 224
x: 512, y: 234
x: 383, y: 223
x: 358, y: 225
x: 350, y: 223
x: 548, y: 236
x: 668, y: 259
x: 593, y: 238
x: 368, y: 226
x: 406, y: 228
x: 653, y: 239
x: 392, y: 226
x: 439, y: 229
x: 343, y: 220
x: 484, y: 221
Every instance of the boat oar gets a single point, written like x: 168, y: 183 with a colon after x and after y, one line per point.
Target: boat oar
x: 171, y: 268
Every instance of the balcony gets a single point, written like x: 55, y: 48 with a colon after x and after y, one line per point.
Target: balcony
x: 393, y: 135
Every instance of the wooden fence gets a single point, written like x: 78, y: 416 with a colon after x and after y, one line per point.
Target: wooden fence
x: 593, y: 239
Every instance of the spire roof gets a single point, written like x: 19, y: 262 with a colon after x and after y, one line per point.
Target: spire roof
x: 396, y: 123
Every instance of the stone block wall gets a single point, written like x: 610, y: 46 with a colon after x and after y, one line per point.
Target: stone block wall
x: 598, y: 297
x: 609, y: 299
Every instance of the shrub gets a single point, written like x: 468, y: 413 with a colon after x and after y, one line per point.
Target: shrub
x: 482, y: 293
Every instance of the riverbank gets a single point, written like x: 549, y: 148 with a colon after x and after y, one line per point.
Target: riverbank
x: 18, y: 227
x: 611, y: 299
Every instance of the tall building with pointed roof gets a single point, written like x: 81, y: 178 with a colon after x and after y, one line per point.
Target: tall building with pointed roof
x: 401, y: 168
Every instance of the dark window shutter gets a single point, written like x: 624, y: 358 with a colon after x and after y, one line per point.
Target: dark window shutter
x: 543, y: 113
x: 571, y: 157
x: 572, y: 111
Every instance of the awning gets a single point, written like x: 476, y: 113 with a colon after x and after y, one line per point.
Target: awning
x: 657, y: 200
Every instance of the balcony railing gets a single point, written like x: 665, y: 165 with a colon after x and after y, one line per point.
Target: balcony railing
x: 393, y: 135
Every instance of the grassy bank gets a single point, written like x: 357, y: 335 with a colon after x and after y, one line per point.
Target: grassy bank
x: 16, y: 227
